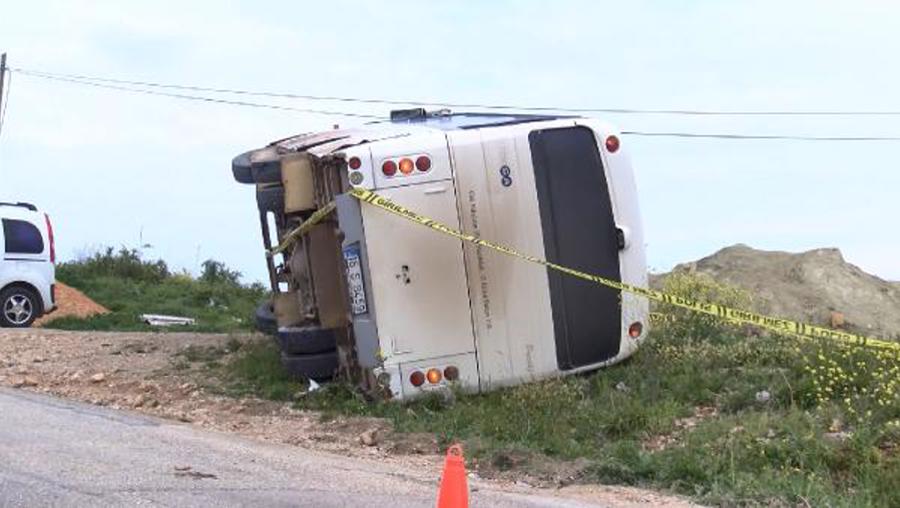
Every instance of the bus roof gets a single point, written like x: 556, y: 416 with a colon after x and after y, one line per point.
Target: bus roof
x: 403, y: 123
x: 447, y: 121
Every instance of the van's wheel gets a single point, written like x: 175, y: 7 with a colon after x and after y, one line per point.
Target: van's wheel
x: 265, y: 318
x: 19, y: 307
x: 319, y: 366
x: 304, y: 340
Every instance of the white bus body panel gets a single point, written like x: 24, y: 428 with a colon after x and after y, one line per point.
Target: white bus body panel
x: 439, y: 301
x: 510, y: 298
x: 418, y: 279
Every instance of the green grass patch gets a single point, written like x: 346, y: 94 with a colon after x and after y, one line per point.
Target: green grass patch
x: 724, y: 416
x: 257, y: 371
x: 737, y: 451
x: 129, y: 286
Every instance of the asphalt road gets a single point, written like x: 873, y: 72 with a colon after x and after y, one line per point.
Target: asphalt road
x: 60, y: 453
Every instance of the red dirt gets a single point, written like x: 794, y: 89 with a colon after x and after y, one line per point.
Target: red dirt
x: 71, y: 302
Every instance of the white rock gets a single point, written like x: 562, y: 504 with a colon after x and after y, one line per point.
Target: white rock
x: 369, y: 437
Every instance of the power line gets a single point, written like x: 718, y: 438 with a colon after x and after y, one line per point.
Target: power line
x: 284, y: 95
x: 759, y: 136
x: 198, y: 97
x: 87, y: 82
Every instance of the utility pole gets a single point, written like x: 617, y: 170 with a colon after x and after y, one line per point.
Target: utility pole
x: 2, y: 77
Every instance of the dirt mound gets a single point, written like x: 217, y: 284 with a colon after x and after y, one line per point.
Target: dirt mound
x: 71, y: 302
x: 809, y: 286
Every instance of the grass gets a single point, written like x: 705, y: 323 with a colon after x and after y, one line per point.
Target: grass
x: 719, y: 414
x: 129, y: 286
x: 257, y: 371
x: 742, y: 450
x: 208, y: 355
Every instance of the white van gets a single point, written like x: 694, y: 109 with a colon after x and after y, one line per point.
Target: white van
x: 419, y: 309
x: 27, y: 272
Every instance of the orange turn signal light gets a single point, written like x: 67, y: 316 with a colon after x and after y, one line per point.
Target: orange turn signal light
x: 407, y: 166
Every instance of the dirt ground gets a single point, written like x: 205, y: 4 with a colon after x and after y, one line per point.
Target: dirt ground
x: 71, y: 302
x: 150, y: 373
x: 816, y: 286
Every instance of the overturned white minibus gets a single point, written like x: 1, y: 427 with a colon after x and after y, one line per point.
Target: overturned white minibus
x: 402, y: 309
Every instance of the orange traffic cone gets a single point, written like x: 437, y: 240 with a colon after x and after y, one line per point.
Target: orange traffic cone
x: 454, y: 492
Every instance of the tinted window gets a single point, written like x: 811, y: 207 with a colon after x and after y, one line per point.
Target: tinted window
x: 22, y: 237
x: 579, y: 231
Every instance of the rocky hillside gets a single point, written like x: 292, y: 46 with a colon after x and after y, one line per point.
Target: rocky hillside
x: 808, y: 286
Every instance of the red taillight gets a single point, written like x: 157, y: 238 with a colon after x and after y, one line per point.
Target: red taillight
x: 51, y: 239
x: 423, y: 163
x: 612, y: 144
x: 635, y: 330
x: 417, y: 378
x: 434, y: 376
x: 406, y: 166
x: 389, y: 168
x: 354, y: 163
x: 451, y: 373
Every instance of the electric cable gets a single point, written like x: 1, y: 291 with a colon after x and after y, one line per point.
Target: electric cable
x: 510, y: 107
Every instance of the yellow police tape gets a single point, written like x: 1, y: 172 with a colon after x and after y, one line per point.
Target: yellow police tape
x: 302, y: 229
x: 734, y: 316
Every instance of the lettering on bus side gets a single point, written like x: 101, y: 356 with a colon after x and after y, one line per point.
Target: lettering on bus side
x: 505, y: 178
x: 482, y: 273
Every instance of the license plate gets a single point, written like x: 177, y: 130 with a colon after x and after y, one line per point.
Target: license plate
x: 355, y: 281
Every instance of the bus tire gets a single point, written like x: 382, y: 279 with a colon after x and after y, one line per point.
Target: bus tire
x: 270, y: 198
x: 266, y: 171
x: 240, y: 168
x: 319, y: 366
x: 265, y: 318
x: 304, y: 340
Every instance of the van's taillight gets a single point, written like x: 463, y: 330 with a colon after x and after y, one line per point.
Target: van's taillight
x: 635, y: 330
x: 423, y: 163
x: 354, y: 163
x: 389, y: 168
x: 50, y: 238
x: 612, y: 144
x: 417, y: 378
x: 451, y: 373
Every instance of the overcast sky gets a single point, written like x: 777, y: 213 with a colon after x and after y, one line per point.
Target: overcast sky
x: 114, y: 168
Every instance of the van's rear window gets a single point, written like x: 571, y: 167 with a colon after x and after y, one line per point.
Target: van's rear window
x: 22, y: 237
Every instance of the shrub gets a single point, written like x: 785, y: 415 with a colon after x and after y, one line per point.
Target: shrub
x: 686, y: 324
x: 215, y: 272
x: 123, y: 264
x: 129, y: 285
